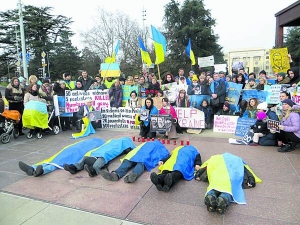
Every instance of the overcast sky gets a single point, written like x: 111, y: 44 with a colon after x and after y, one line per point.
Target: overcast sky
x: 240, y: 23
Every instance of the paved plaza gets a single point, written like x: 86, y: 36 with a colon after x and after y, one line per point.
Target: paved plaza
x: 62, y: 198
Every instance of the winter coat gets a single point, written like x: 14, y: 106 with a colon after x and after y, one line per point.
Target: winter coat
x: 260, y: 126
x: 86, y: 83
x: 249, y: 87
x: 58, y: 90
x: 292, y: 123
x: 286, y: 80
x: 115, y: 95
x: 14, y: 94
x: 220, y: 90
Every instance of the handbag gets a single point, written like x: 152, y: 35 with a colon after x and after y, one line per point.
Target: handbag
x: 214, y: 102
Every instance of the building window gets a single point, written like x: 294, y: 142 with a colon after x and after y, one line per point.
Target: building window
x: 267, y: 67
x: 256, y: 63
x: 267, y: 62
x: 256, y: 58
x: 267, y: 57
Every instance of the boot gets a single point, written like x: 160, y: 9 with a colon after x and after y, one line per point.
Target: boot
x: 38, y: 171
x: 26, y: 168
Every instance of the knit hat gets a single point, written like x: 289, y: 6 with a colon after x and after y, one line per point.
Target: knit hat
x: 195, y: 78
x: 288, y: 101
x: 192, y: 72
x: 261, y: 115
x: 263, y: 106
x: 143, y: 89
x: 251, y: 79
x: 46, y: 81
x: 67, y: 74
x: 282, y: 74
x: 177, y: 77
x: 263, y: 72
x: 227, y: 104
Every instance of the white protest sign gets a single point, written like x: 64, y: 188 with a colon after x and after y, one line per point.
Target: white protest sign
x: 206, y: 61
x: 274, y: 94
x: 190, y: 117
x: 122, y: 117
x: 225, y: 124
x: 76, y: 98
x: 220, y: 67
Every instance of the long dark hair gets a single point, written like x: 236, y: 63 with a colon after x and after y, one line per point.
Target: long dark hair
x: 151, y: 100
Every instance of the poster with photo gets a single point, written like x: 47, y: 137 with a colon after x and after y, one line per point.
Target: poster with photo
x: 273, y: 125
x: 94, y: 115
x: 161, y: 123
x: 144, y: 114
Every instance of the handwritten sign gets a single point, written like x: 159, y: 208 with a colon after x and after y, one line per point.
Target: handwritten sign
x: 225, y: 124
x: 190, y: 117
x: 206, y: 61
x: 243, y: 125
x: 76, y: 98
x: 123, y: 117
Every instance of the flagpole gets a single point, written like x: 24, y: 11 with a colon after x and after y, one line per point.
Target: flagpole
x: 158, y: 72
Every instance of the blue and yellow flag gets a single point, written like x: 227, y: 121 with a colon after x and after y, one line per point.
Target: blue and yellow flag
x: 112, y: 59
x: 160, y: 45
x: 88, y: 129
x: 35, y: 115
x: 144, y: 53
x: 190, y: 52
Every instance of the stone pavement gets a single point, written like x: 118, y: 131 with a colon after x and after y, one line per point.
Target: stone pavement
x: 62, y: 198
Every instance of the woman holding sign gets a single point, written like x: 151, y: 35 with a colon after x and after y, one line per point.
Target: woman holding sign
x: 290, y: 126
x: 150, y: 109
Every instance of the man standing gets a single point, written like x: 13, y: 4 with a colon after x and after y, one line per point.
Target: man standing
x: 67, y: 79
x: 242, y: 71
x: 218, y: 89
x: 85, y: 80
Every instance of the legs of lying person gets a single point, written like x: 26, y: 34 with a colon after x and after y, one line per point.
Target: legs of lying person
x: 36, y: 170
x: 289, y: 140
x: 91, y: 164
x: 217, y: 201
x: 125, y: 166
x: 165, y: 180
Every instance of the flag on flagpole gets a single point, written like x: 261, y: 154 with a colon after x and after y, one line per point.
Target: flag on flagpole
x: 160, y: 45
x: 190, y: 52
x: 112, y: 59
x: 144, y: 53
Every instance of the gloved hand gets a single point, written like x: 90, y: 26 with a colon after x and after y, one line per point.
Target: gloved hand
x: 18, y: 98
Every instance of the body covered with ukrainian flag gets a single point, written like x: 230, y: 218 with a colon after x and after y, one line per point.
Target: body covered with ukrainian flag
x: 111, y: 149
x: 226, y: 173
x: 35, y: 115
x: 69, y: 154
x: 88, y: 129
x: 182, y: 159
x: 148, y: 153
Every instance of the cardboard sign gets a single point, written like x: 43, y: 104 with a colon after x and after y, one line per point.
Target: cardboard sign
x: 76, y: 98
x: 94, y: 115
x: 280, y: 61
x: 190, y: 117
x: 160, y: 123
x: 273, y: 125
x: 59, y: 103
x: 225, y: 124
x: 144, y: 114
x: 123, y: 117
x: 243, y: 125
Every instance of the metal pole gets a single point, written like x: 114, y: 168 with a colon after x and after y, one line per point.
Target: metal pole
x: 25, y: 71
x: 48, y: 64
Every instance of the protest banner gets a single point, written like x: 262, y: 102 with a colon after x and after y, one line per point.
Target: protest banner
x: 279, y: 59
x: 59, y: 103
x: 274, y: 94
x: 127, y: 89
x: 233, y: 93
x: 196, y: 100
x: 243, y: 125
x: 260, y: 95
x: 170, y: 91
x: 76, y: 98
x: 296, y: 95
x: 94, y: 115
x: 237, y: 65
x: 206, y: 61
x: 225, y: 124
x: 160, y: 123
x: 273, y: 125
x: 123, y: 117
x: 110, y: 70
x: 190, y: 117
x: 220, y: 67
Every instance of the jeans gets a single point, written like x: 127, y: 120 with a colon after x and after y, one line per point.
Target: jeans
x: 48, y: 168
x: 98, y: 163
x: 224, y: 195
x: 126, y: 165
x: 268, y: 140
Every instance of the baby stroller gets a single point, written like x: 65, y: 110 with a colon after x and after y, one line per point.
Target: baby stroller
x: 8, y: 122
x: 35, y: 117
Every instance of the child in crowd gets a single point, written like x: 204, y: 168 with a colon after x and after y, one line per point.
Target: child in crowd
x: 260, y: 127
x: 206, y: 109
x: 182, y: 100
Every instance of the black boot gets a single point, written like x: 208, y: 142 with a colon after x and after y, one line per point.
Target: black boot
x: 91, y: 171
x: 38, y: 171
x: 168, y: 182
x: 71, y: 168
x: 156, y: 181
x: 26, y: 168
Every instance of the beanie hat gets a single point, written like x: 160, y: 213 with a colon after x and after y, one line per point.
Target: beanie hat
x: 67, y: 74
x: 288, y: 101
x: 46, y: 81
x: 261, y: 115
x: 227, y: 104
x: 282, y: 74
x: 251, y: 79
x: 192, y: 72
x: 263, y: 72
x: 143, y: 89
x: 263, y: 106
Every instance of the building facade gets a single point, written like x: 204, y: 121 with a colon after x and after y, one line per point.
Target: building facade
x: 253, y: 60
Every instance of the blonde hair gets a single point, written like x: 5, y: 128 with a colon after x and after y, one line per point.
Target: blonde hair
x: 32, y: 77
x: 264, y: 79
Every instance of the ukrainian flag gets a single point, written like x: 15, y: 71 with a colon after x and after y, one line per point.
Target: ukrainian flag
x: 35, y: 115
x: 88, y: 129
x: 144, y: 53
x: 160, y: 45
x: 112, y: 59
x: 190, y: 52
